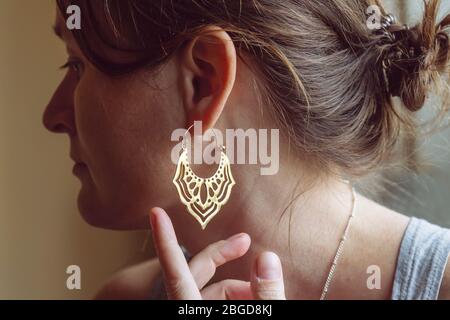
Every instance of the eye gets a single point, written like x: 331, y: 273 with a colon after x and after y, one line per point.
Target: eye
x: 73, y: 65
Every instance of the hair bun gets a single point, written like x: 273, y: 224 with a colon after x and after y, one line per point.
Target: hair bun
x: 413, y: 58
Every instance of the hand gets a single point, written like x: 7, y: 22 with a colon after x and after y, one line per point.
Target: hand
x: 185, y: 281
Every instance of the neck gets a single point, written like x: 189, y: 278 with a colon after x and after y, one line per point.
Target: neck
x: 300, y: 222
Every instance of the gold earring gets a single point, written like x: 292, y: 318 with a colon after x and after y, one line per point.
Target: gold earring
x: 189, y: 185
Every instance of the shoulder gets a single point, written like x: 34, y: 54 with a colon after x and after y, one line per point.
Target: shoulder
x: 133, y: 283
x: 380, y: 228
x: 375, y: 239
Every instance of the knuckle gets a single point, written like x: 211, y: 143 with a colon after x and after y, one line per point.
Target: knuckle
x: 213, y: 247
x: 269, y: 290
x: 270, y: 295
x: 219, y: 259
x: 175, y: 288
x: 215, y: 253
x: 222, y: 285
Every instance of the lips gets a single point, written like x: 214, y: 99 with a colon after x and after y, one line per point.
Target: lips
x: 76, y: 159
x: 74, y: 154
x: 79, y: 166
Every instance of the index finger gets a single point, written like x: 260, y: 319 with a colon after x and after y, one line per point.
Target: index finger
x: 179, y: 282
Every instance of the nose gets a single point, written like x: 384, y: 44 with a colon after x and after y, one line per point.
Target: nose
x: 58, y: 116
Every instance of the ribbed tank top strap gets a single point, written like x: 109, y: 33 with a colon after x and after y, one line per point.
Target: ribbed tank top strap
x: 421, y: 262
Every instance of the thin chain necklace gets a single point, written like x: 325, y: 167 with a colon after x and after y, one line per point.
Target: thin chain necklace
x: 339, y: 249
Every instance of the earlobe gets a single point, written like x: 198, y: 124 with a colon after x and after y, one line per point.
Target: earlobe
x: 208, y: 66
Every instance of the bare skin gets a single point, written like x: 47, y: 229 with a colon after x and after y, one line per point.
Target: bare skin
x: 137, y: 282
x: 384, y: 227
x: 113, y: 125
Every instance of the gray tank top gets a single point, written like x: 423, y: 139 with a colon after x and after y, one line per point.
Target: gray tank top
x: 421, y: 263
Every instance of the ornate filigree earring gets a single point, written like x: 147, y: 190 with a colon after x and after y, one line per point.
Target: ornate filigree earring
x: 189, y: 185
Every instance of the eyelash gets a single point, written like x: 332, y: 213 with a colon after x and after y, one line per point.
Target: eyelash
x: 74, y: 65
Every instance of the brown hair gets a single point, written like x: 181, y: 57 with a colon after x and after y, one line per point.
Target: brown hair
x: 329, y: 78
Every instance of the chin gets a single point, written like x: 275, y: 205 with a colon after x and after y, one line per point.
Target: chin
x: 109, y: 217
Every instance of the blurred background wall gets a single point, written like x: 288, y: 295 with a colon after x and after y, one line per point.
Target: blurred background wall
x: 41, y: 232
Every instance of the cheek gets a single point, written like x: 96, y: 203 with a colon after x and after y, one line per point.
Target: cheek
x: 124, y: 130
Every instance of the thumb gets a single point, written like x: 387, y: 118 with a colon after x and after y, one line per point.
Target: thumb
x: 267, y: 277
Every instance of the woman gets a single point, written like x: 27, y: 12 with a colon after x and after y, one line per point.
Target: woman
x: 137, y: 70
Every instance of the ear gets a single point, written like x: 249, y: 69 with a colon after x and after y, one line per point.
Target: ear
x: 208, y: 66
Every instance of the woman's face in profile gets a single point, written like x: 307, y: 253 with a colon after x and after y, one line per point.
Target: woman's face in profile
x: 119, y: 131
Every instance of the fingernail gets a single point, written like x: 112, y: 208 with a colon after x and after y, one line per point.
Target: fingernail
x: 268, y: 266
x: 236, y: 236
x: 230, y: 243
x: 153, y: 213
x: 160, y: 217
